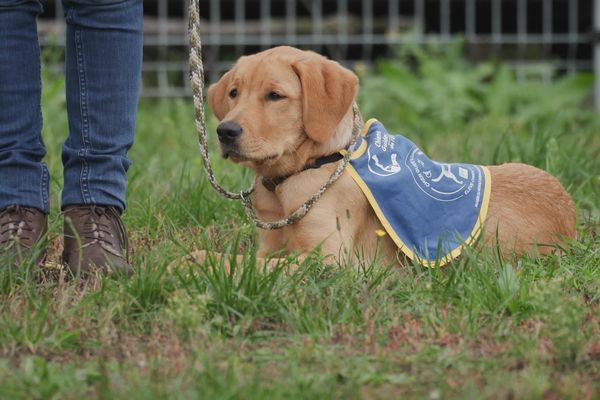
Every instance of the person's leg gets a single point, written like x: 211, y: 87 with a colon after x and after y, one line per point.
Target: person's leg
x: 103, y: 67
x: 23, y: 175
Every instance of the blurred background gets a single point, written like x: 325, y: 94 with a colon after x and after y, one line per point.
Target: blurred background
x: 539, y: 39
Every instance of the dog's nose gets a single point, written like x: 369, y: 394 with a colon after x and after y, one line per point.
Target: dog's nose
x: 228, y: 132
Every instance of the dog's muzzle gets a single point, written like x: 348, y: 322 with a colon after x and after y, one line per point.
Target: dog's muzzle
x: 229, y: 132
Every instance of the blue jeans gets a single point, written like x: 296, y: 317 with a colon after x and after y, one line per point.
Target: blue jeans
x: 103, y: 73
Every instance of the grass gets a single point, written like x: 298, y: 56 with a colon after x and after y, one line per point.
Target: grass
x: 480, y: 328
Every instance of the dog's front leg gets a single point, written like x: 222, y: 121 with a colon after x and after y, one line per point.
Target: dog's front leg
x: 202, y: 257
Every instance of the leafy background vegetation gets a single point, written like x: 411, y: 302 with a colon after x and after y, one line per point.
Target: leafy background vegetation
x: 480, y: 328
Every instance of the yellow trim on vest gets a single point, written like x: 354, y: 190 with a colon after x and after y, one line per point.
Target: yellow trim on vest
x: 363, y: 145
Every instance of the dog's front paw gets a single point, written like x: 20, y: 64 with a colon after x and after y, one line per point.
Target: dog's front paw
x: 209, y: 258
x: 197, y: 257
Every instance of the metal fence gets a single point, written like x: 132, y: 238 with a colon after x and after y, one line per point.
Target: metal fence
x: 537, y: 37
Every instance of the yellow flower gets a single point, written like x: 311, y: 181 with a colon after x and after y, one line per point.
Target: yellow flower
x: 380, y: 233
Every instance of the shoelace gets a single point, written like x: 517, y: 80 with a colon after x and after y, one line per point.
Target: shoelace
x: 96, y: 229
x: 17, y: 225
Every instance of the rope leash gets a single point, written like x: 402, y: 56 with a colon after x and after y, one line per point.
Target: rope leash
x: 197, y: 82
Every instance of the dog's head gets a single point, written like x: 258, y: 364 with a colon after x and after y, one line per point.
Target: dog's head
x: 283, y: 107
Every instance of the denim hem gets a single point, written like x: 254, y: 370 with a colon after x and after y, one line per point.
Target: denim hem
x: 119, y: 206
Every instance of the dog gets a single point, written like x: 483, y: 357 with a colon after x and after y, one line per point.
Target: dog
x: 283, y: 109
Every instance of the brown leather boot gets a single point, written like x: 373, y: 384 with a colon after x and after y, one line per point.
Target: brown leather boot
x: 95, y: 237
x: 21, y: 228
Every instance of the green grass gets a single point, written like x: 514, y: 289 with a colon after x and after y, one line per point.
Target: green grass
x: 479, y: 328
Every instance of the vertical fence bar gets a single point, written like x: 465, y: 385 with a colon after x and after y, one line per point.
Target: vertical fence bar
x: 240, y: 26
x: 496, y: 21
x: 215, y: 21
x: 163, y: 43
x: 547, y: 34
x: 597, y: 55
x: 393, y: 20
x: 470, y: 27
x: 445, y: 20
x: 59, y: 12
x: 573, y: 33
x: 342, y: 7
x: 317, y: 24
x: 265, y: 23
x: 367, y: 31
x: 522, y: 21
x: 470, y: 19
x: 420, y: 18
x: 214, y: 39
x: 59, y: 18
x: 521, y: 34
x: 187, y: 88
x: 290, y: 21
x: 547, y: 23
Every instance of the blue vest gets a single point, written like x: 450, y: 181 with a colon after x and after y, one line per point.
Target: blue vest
x: 431, y: 210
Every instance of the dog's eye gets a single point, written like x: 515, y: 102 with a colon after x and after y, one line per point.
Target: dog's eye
x: 233, y: 93
x: 274, y: 96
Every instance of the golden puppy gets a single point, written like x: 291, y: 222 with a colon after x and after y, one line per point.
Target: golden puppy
x: 283, y: 108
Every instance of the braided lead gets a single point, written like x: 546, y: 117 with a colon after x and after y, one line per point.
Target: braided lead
x: 197, y: 82
x: 305, y: 208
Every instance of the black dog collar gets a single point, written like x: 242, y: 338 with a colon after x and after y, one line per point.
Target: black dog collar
x: 271, y: 183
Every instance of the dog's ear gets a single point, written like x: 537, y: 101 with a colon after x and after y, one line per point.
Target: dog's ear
x: 328, y: 90
x: 217, y: 96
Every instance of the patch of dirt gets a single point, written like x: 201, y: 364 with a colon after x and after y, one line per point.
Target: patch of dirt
x: 408, y: 333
